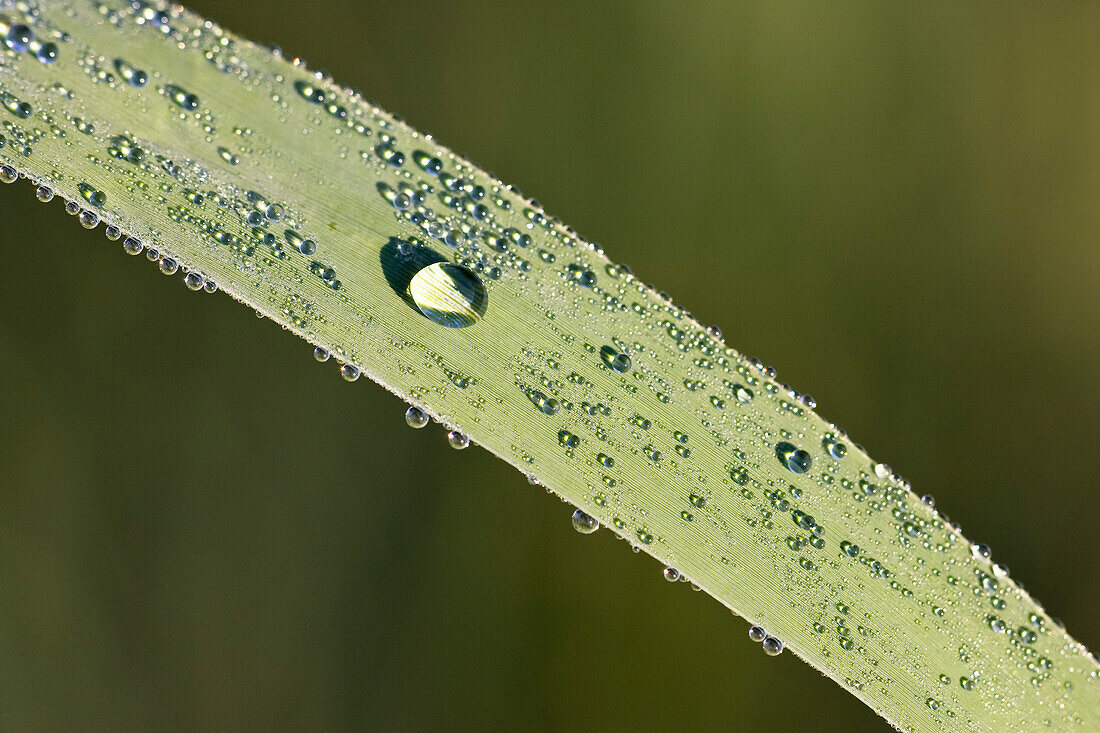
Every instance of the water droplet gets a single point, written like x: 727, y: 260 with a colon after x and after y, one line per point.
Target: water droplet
x: 181, y: 97
x: 605, y: 460
x: 89, y: 220
x: 193, y: 281
x: 415, y: 417
x: 47, y: 53
x: 583, y: 523
x: 132, y: 246
x: 457, y: 440
x: 19, y: 37
x: 671, y: 574
x: 757, y: 634
x: 449, y: 294
x: 835, y: 448
x: 616, y: 360
x: 567, y: 439
x: 8, y: 174
x: 93, y: 196
x: 795, y: 459
x: 349, y: 372
x: 168, y: 266
x: 43, y: 193
x: 772, y: 646
x: 321, y: 354
x: 136, y: 78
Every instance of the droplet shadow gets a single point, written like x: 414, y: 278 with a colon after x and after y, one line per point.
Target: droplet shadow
x: 400, y: 261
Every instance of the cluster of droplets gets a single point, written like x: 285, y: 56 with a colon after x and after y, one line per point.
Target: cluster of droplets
x: 772, y: 646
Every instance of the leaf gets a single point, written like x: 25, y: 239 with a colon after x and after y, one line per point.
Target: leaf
x: 409, y: 264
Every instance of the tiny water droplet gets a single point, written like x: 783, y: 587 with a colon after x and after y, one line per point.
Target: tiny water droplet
x: 321, y: 354
x: 772, y: 646
x: 671, y: 574
x: 349, y: 372
x: 757, y: 634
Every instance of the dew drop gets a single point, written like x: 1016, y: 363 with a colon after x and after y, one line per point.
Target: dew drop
x: 795, y: 459
x: 457, y: 440
x: 47, y: 53
x: 132, y: 246
x: 449, y: 294
x: 193, y: 281
x: 671, y: 574
x: 835, y: 448
x: 415, y: 417
x: 584, y: 523
x: 43, y: 193
x: 757, y: 633
x: 321, y: 354
x: 349, y: 372
x: 617, y: 361
x: 772, y: 646
x: 567, y: 439
x: 19, y: 37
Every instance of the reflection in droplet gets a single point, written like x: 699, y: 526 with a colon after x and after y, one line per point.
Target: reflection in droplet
x: 449, y: 294
x: 795, y: 459
x: 584, y: 523
x: 458, y: 440
x: 415, y: 417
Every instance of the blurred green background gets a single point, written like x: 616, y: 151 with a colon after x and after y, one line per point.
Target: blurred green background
x: 894, y: 204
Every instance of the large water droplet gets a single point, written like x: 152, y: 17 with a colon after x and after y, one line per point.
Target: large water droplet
x: 757, y: 634
x: 449, y: 294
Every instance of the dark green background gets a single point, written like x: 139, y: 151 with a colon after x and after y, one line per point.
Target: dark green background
x: 200, y: 527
